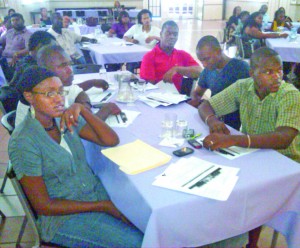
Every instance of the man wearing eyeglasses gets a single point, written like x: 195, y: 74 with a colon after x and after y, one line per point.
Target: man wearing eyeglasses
x: 269, y: 109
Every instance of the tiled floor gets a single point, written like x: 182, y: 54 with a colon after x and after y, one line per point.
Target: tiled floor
x: 190, y: 31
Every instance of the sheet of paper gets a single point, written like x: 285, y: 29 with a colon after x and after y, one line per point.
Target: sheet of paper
x: 116, y: 120
x: 168, y: 87
x: 97, y: 96
x: 196, y: 176
x: 136, y: 157
x: 232, y: 152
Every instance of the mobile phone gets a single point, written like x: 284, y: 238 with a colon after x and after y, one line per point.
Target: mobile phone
x: 183, y: 152
x: 194, y: 143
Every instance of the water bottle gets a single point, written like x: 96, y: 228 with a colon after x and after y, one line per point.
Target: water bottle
x: 103, y: 74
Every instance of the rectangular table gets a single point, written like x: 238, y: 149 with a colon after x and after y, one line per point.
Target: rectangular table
x: 268, y: 189
x: 114, y: 51
x: 289, y: 51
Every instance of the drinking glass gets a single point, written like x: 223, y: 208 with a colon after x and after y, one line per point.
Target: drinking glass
x: 141, y: 86
x: 168, y: 126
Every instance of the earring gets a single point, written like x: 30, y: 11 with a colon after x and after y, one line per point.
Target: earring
x: 32, y: 112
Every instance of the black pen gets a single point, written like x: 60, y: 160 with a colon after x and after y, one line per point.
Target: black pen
x: 106, y: 97
x: 117, y: 118
x: 206, y: 179
x: 220, y: 150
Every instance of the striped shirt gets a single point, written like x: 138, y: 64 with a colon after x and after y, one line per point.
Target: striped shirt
x: 279, y: 109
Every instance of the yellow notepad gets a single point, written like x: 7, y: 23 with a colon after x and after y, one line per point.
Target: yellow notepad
x: 136, y: 157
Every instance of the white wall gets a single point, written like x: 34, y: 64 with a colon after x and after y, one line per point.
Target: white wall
x: 212, y: 9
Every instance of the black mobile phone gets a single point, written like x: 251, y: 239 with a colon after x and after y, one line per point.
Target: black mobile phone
x: 183, y: 152
x: 194, y: 143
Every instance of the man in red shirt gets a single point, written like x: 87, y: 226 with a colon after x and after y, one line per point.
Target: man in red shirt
x: 166, y: 63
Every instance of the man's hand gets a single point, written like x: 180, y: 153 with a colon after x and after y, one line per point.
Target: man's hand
x: 169, y: 75
x: 216, y: 140
x: 100, y: 83
x: 194, y: 102
x: 217, y: 126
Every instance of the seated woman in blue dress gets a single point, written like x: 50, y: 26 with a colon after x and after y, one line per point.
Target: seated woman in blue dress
x: 48, y: 158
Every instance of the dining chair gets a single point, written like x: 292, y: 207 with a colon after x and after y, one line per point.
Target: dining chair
x: 86, y: 68
x: 8, y: 122
x: 244, y: 48
x: 30, y: 215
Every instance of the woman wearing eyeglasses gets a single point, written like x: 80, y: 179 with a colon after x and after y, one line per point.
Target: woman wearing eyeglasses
x: 48, y: 158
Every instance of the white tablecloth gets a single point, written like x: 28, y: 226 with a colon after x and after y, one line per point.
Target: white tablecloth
x: 113, y: 50
x: 289, y: 51
x: 268, y: 189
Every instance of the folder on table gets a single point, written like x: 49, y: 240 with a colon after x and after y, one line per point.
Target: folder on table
x: 136, y: 157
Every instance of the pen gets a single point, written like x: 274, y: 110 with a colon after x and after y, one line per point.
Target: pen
x: 117, y: 118
x: 106, y: 97
x: 196, y: 136
x: 220, y: 150
x: 206, y: 179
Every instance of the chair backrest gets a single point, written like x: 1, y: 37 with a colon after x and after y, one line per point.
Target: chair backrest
x: 8, y: 121
x: 91, y: 21
x: 80, y: 13
x: 9, y: 98
x: 85, y: 69
x: 30, y: 215
x: 244, y: 48
x: 102, y: 13
x: 67, y: 13
x: 105, y: 27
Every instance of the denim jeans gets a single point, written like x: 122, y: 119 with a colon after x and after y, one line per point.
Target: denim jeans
x: 97, y: 230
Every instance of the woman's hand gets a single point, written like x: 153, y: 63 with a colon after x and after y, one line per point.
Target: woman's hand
x: 111, y: 209
x: 70, y: 116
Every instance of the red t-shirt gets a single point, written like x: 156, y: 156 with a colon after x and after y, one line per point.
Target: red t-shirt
x: 156, y: 63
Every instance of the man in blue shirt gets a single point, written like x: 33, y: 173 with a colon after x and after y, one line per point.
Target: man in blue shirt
x: 220, y: 72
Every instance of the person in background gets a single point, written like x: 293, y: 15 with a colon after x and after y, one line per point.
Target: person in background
x: 120, y: 28
x: 287, y: 18
x: 219, y: 72
x: 45, y: 19
x: 279, y: 21
x: 6, y: 25
x: 73, y: 208
x: 252, y: 30
x: 232, y: 24
x: 36, y: 41
x: 164, y: 62
x: 11, y: 12
x: 15, y: 43
x: 67, y: 39
x: 117, y: 5
x: 67, y: 21
x: 266, y: 18
x: 269, y: 109
x: 242, y: 20
x: 143, y: 33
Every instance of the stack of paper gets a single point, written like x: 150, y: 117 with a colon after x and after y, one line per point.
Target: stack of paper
x: 155, y: 99
x: 136, y: 157
x: 199, y: 177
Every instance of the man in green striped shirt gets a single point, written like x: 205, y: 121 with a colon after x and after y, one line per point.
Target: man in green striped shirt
x: 269, y: 109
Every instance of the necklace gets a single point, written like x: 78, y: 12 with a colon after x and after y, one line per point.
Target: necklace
x: 47, y: 129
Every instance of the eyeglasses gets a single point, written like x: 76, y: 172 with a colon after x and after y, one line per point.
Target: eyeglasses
x: 51, y: 94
